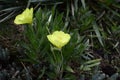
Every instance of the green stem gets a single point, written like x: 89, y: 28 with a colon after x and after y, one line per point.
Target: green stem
x: 53, y: 53
x: 28, y: 4
x: 48, y: 29
x: 61, y: 65
x: 48, y: 23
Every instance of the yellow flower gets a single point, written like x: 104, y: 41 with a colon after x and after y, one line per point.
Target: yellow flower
x: 25, y: 17
x: 59, y: 38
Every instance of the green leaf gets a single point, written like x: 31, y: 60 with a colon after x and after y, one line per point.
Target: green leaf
x: 83, y: 3
x: 93, y: 61
x: 89, y: 64
x: 68, y: 68
x: 96, y: 29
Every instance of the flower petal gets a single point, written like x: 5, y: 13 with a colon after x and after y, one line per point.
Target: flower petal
x: 59, y: 38
x: 25, y: 17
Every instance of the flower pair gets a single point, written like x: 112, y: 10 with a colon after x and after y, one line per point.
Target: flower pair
x: 57, y: 38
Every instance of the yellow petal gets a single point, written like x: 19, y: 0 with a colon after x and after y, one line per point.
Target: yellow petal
x: 25, y: 17
x: 59, y: 38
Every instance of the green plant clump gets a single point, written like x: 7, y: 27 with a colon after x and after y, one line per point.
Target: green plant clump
x: 60, y: 40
